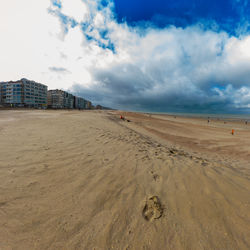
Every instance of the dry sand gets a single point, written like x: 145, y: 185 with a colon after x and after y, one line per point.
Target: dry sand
x: 88, y: 180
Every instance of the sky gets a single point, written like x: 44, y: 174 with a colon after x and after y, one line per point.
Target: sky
x: 143, y: 55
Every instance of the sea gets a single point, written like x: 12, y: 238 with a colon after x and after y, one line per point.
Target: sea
x: 242, y: 117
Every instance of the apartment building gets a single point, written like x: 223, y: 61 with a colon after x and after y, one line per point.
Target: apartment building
x: 1, y: 95
x: 79, y: 103
x: 59, y: 99
x: 26, y: 93
x: 89, y: 105
x: 23, y: 93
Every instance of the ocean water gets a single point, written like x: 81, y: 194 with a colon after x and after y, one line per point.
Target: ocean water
x: 243, y: 117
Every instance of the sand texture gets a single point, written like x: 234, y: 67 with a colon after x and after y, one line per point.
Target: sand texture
x: 89, y: 180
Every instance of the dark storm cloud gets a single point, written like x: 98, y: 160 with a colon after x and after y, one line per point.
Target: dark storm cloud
x: 126, y: 87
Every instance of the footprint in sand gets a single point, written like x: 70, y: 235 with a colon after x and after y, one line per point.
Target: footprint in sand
x: 156, y: 177
x: 152, y: 209
x: 204, y: 163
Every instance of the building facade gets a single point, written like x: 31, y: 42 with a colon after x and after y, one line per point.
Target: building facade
x: 23, y: 93
x: 88, y: 105
x: 79, y: 103
x: 26, y: 93
x: 1, y: 95
x: 59, y: 99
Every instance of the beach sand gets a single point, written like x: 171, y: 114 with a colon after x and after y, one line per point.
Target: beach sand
x: 89, y: 180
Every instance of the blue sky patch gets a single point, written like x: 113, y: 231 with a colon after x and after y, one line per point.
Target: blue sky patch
x: 228, y: 15
x: 57, y: 3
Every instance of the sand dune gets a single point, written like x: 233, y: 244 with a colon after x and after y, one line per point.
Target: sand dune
x: 88, y: 180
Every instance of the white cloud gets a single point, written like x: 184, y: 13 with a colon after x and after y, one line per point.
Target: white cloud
x: 76, y: 9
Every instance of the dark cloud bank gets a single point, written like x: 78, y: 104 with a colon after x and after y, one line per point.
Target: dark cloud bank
x: 133, y: 89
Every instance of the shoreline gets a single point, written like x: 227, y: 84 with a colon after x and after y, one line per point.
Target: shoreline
x: 196, y: 134
x: 226, y: 117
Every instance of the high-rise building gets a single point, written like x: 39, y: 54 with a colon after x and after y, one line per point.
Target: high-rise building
x: 23, y: 93
x: 1, y: 95
x: 59, y: 99
x: 88, y: 105
x: 79, y: 103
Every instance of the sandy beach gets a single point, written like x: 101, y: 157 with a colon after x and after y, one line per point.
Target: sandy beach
x: 89, y: 180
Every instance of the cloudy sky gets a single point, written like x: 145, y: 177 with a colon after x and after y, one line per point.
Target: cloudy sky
x: 148, y: 55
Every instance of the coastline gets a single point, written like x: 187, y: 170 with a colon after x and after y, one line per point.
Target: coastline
x: 195, y: 134
x: 214, y: 116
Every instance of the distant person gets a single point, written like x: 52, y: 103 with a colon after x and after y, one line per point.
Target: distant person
x: 246, y: 122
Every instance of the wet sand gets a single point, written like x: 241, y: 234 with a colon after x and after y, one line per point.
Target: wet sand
x: 89, y: 180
